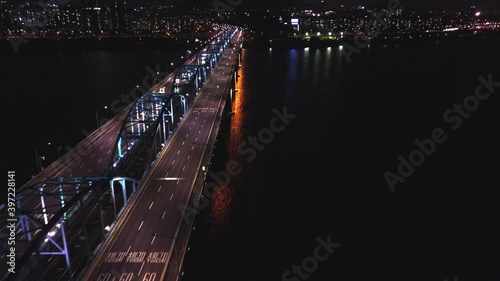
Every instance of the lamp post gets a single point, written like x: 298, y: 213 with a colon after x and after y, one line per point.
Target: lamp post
x: 38, y: 160
x: 97, y: 117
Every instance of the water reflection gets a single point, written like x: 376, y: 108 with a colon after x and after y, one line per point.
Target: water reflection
x: 223, y: 195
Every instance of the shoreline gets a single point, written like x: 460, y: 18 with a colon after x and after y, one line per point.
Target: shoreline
x: 96, y: 44
x: 381, y: 40
x: 163, y: 43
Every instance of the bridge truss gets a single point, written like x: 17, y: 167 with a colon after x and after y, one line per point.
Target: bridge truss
x: 64, y: 221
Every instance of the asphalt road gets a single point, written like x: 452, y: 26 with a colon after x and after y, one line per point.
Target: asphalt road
x: 89, y: 158
x: 139, y: 247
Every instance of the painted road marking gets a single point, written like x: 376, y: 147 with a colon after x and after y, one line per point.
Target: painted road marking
x: 140, y: 269
x: 157, y: 257
x: 136, y: 257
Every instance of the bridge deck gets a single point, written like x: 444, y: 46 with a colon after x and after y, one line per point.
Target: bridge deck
x: 89, y: 158
x: 140, y: 246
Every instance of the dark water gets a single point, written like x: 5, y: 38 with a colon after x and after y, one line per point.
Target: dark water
x: 323, y: 174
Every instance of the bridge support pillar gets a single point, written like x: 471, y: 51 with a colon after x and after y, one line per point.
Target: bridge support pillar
x: 123, y: 183
x: 65, y: 249
x: 124, y: 191
x: 23, y: 221
x: 111, y: 184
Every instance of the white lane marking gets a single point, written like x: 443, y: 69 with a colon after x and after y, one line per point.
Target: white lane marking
x: 169, y: 179
x: 129, y: 248
x: 189, y: 156
x: 110, y: 138
x: 151, y: 205
x: 183, y: 168
x: 164, y: 212
x: 196, y: 139
x: 89, y: 170
x: 102, y: 147
x: 171, y: 196
x: 159, y: 188
x: 173, y: 162
x: 99, y: 160
x: 140, y: 268
x: 187, y: 135
x: 92, y: 156
x: 82, y: 165
x: 199, y: 131
x: 167, y: 174
x: 178, y: 152
x: 140, y: 225
x: 183, y: 142
x: 109, y: 151
x: 153, y: 240
x: 176, y: 184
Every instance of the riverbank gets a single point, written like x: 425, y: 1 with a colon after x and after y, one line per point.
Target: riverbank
x: 98, y: 44
x: 382, y: 39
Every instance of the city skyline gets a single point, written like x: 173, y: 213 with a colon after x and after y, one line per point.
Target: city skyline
x: 424, y: 4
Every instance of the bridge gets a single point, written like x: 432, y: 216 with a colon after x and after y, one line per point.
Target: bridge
x: 113, y: 208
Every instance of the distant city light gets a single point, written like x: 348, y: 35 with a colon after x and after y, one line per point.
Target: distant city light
x: 478, y: 14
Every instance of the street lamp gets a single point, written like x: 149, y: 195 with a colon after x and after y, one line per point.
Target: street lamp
x: 38, y: 160
x: 97, y: 116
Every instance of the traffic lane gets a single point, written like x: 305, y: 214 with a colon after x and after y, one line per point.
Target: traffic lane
x: 163, y: 168
x: 97, y: 161
x: 57, y: 168
x: 93, y: 166
x: 147, y: 236
x: 97, y: 143
x: 137, y: 228
x: 33, y: 203
x: 180, y: 197
x: 163, y: 216
x: 148, y: 227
